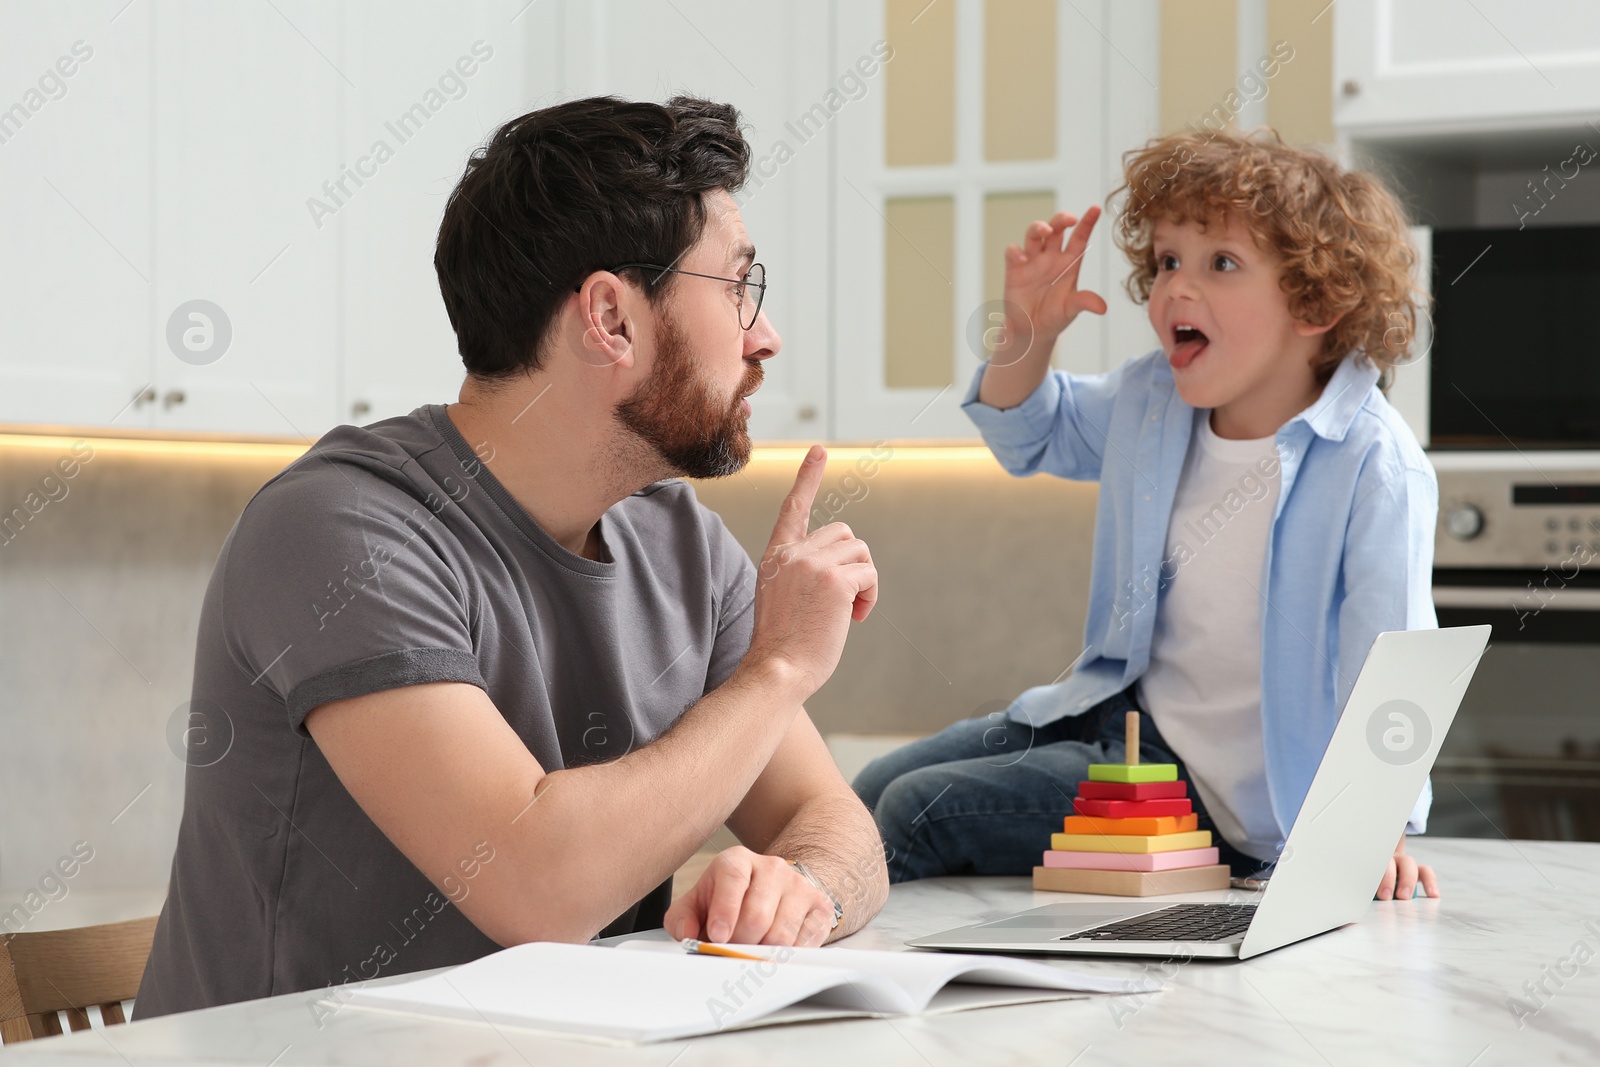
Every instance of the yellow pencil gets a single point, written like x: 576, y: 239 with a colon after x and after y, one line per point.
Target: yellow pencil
x: 691, y: 945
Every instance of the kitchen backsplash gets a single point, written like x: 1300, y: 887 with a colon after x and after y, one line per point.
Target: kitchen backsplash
x: 107, y: 551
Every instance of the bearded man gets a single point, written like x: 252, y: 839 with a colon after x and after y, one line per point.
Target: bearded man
x: 488, y: 673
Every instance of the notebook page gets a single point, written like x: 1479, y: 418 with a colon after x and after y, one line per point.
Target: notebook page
x: 601, y: 993
x: 921, y: 975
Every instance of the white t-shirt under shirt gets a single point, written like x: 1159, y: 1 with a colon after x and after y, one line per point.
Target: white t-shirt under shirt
x: 1203, y: 686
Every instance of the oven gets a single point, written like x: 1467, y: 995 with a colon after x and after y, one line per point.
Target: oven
x: 1518, y: 547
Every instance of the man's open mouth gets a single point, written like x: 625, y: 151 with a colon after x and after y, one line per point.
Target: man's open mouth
x: 1187, y: 343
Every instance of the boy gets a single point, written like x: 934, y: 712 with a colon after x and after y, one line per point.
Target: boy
x: 1263, y: 512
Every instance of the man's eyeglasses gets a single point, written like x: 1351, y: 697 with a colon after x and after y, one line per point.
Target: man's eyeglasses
x: 755, y: 278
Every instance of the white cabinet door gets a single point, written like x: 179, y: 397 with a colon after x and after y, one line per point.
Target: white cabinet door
x: 246, y: 290
x: 75, y: 228
x: 1107, y: 59
x: 1130, y: 47
x: 770, y: 60
x: 1403, y: 65
x: 432, y: 88
x: 867, y: 406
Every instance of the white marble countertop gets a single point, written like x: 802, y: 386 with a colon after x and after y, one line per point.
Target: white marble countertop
x: 1424, y: 981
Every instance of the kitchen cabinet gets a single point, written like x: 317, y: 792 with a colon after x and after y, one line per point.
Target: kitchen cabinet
x: 772, y: 61
x: 431, y: 89
x: 398, y: 349
x: 214, y: 241
x: 1105, y: 57
x: 75, y: 153
x: 245, y: 300
x: 226, y: 222
x: 150, y: 238
x: 1431, y: 65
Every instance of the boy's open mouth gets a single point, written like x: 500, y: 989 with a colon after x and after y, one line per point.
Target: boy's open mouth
x: 1188, y: 342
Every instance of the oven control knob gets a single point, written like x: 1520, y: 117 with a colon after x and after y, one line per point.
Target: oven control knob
x: 1464, y: 522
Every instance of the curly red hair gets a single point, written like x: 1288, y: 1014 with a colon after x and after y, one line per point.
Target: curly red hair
x: 1340, y: 234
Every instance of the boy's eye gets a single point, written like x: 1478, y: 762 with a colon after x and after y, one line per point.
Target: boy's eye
x: 1167, y: 262
x: 1224, y: 262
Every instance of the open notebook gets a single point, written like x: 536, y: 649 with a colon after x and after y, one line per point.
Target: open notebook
x: 654, y: 991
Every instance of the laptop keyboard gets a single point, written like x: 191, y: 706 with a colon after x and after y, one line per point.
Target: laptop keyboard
x: 1180, y: 922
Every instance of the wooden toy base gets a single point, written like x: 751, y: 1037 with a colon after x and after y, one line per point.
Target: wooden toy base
x: 1131, y: 883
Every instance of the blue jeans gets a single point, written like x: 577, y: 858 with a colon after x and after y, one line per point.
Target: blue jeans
x: 983, y: 796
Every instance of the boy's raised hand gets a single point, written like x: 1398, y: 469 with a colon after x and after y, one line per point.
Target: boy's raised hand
x: 1041, y: 298
x: 1042, y: 277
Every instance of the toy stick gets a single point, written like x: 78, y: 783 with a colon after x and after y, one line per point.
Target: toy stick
x: 1132, y: 740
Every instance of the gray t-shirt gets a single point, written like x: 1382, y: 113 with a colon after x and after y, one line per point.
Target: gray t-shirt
x: 390, y: 556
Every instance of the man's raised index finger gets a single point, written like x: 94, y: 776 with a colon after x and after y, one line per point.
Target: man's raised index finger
x: 794, y: 514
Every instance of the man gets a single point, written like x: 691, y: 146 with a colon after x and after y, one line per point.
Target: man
x: 488, y: 655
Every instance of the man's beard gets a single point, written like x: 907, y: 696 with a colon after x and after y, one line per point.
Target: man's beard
x: 677, y: 413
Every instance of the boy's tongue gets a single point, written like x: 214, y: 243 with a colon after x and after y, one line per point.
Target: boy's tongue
x: 1185, y: 352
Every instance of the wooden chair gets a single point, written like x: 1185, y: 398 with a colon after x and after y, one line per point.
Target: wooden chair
x: 48, y: 971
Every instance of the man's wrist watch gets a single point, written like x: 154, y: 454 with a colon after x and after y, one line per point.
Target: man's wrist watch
x: 806, y: 873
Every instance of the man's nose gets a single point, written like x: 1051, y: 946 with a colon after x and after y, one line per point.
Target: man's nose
x: 761, y: 341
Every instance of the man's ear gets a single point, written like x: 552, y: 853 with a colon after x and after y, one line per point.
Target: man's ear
x: 607, y: 333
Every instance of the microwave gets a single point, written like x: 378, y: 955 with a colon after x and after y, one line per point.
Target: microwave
x: 1514, y: 347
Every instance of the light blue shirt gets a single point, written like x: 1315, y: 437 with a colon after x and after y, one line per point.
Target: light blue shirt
x: 1350, y: 554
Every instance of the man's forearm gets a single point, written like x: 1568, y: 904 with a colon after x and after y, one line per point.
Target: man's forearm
x: 653, y: 807
x: 836, y: 838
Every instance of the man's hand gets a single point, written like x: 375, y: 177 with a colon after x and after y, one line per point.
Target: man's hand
x: 810, y: 585
x: 750, y: 899
x: 1400, y: 880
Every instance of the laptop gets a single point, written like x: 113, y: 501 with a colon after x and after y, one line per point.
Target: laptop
x: 1369, y: 780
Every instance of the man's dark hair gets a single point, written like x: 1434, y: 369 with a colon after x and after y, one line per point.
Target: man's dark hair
x: 568, y: 190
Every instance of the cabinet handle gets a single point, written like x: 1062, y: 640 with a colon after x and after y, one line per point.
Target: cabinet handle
x: 1351, y: 87
x: 145, y: 396
x: 807, y: 412
x: 174, y: 396
x: 360, y: 408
